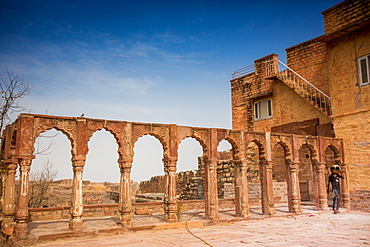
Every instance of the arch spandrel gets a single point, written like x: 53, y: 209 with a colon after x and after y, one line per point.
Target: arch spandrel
x: 116, y: 128
x: 201, y: 143
x: 160, y: 132
x: 312, y: 144
x: 286, y: 148
x: 336, y: 151
x: 285, y: 140
x: 336, y: 145
x: 259, y: 139
x: 234, y: 138
x: 66, y: 126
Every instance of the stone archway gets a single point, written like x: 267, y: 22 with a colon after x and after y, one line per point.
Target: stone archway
x: 280, y: 175
x: 18, y: 151
x: 306, y: 173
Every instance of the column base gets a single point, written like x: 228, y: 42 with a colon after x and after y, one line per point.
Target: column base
x: 170, y: 217
x: 75, y: 224
x: 125, y: 221
x: 7, y: 225
x: 243, y: 214
x: 21, y: 230
x: 170, y: 212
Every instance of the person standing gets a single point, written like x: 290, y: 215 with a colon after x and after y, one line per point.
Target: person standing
x: 335, y: 187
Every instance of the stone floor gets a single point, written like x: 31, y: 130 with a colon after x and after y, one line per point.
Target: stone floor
x: 37, y: 229
x: 312, y: 228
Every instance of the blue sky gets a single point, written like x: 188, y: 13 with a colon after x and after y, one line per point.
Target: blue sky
x: 145, y: 61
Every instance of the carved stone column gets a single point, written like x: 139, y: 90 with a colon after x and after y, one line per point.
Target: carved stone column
x: 322, y: 186
x: 8, y: 206
x: 21, y: 231
x: 170, y: 203
x: 344, y: 187
x: 125, y: 204
x: 75, y: 223
x: 295, y: 193
x: 241, y: 189
x: 210, y: 190
x: 267, y: 192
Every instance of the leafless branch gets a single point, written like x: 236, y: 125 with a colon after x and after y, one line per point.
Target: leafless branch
x: 39, y: 185
x: 11, y: 90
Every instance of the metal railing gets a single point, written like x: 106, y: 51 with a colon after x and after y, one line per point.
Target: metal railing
x: 243, y: 71
x: 299, y: 84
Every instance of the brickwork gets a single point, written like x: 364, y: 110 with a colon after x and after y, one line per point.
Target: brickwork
x: 254, y: 87
x: 344, y: 14
x: 244, y: 89
x: 360, y: 200
x: 351, y: 102
x: 156, y: 184
x: 103, y: 210
x: 309, y: 60
x: 355, y: 131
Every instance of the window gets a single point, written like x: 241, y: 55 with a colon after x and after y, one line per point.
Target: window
x: 363, y: 64
x: 263, y: 109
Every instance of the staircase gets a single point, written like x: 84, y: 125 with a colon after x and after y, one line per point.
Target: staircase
x: 277, y: 69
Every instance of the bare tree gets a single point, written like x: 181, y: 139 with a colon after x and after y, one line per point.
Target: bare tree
x: 11, y: 90
x: 39, y: 185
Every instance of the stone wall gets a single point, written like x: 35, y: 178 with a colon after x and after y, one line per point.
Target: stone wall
x: 156, y: 184
x: 56, y: 213
x: 243, y: 89
x: 344, y: 14
x: 360, y: 200
x: 350, y: 101
x: 309, y: 60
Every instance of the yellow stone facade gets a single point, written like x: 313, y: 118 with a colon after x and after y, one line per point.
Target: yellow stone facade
x: 347, y: 27
x: 330, y: 63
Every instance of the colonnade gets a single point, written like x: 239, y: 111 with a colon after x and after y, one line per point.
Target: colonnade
x: 18, y: 149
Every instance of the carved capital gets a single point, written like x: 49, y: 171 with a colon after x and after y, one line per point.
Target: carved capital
x: 11, y: 167
x: 293, y: 166
x: 78, y: 160
x: 170, y: 161
x: 25, y: 163
x: 320, y: 166
x: 126, y: 160
x: 78, y: 169
x: 168, y: 169
x: 125, y: 163
x: 125, y: 169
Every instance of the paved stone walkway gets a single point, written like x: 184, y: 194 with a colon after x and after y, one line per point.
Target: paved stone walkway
x: 41, y: 228
x: 313, y: 229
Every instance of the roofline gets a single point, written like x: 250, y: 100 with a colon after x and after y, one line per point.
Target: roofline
x: 333, y: 7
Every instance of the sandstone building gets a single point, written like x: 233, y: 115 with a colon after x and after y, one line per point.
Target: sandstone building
x: 323, y: 89
x: 284, y: 130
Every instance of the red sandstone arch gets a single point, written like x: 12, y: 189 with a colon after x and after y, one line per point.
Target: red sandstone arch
x: 61, y: 131
x: 79, y: 130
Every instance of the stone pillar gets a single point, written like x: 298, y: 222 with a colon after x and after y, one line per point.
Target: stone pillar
x: 322, y: 186
x: 170, y: 203
x: 294, y: 182
x: 125, y: 204
x: 241, y: 189
x: 8, y: 206
x: 210, y: 190
x: 344, y: 188
x: 21, y: 231
x: 75, y: 223
x: 267, y: 192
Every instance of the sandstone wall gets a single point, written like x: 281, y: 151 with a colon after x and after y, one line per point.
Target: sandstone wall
x: 309, y: 60
x: 351, y: 105
x: 344, y: 14
x: 56, y: 213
